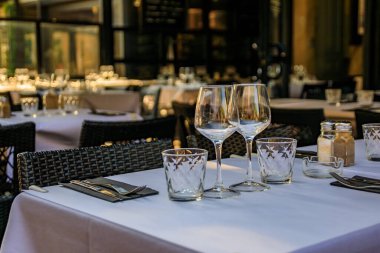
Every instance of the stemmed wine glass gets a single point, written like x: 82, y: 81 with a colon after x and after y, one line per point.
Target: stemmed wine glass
x: 215, y: 120
x: 252, y: 105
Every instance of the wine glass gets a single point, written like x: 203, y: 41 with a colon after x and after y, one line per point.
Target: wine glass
x: 214, y: 119
x: 252, y: 105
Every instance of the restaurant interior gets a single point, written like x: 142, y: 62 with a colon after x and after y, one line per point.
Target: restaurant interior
x: 229, y: 125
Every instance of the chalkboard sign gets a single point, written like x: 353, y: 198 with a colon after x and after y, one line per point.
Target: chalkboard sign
x: 162, y: 14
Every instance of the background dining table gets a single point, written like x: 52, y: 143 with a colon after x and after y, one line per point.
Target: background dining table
x: 55, y: 130
x: 308, y: 215
x: 342, y: 111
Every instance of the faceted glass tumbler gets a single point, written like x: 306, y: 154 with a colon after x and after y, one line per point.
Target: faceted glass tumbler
x: 371, y: 134
x: 276, y: 159
x: 185, y: 170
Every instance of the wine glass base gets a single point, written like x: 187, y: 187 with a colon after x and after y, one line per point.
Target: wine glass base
x: 220, y: 193
x: 249, y: 186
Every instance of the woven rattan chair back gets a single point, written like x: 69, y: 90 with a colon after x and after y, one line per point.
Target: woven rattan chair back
x: 364, y: 117
x: 308, y: 120
x: 96, y: 133
x: 51, y: 167
x: 235, y: 144
x: 14, y: 139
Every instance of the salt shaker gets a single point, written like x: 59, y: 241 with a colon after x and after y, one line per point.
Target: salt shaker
x: 326, y: 141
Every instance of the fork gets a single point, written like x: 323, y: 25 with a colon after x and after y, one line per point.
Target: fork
x: 351, y: 184
x: 118, y: 189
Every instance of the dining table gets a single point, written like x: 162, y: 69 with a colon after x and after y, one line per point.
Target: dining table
x: 306, y: 215
x: 56, y: 129
x: 341, y: 111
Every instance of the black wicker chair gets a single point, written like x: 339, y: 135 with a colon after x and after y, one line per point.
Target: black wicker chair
x: 185, y: 120
x: 235, y: 144
x: 308, y: 120
x: 14, y: 139
x: 51, y: 167
x: 364, y: 117
x: 96, y: 133
x: 314, y: 91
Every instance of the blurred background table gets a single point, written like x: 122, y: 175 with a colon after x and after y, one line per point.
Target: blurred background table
x: 344, y: 111
x: 57, y: 131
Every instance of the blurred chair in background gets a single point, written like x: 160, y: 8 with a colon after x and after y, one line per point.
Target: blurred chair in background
x: 313, y: 90
x: 364, y: 117
x: 347, y: 87
x: 307, y: 120
x: 14, y: 139
x: 96, y: 133
x: 185, y: 120
x: 150, y: 97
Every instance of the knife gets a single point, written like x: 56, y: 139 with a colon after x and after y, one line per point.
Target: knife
x: 354, y: 185
x: 96, y: 189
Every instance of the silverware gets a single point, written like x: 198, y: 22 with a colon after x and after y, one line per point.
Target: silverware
x: 366, y: 180
x: 352, y: 184
x: 96, y: 189
x: 116, y: 188
x: 37, y: 188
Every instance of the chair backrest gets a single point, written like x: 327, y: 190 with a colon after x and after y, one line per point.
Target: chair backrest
x: 14, y: 139
x: 185, y: 120
x: 235, y: 144
x: 364, y: 117
x: 314, y: 91
x: 47, y: 168
x: 96, y: 133
x: 309, y: 120
x: 347, y: 86
x: 150, y: 97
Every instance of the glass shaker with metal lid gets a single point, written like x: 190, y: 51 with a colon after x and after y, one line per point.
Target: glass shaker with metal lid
x: 344, y: 144
x: 326, y: 141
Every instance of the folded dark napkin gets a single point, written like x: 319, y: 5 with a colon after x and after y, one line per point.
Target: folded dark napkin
x: 101, y: 180
x: 360, y: 179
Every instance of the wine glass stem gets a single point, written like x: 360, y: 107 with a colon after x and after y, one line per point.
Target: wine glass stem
x: 218, y: 153
x: 249, y: 155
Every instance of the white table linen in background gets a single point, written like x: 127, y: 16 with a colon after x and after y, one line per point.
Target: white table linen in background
x: 307, y: 215
x: 58, y: 131
x: 125, y: 101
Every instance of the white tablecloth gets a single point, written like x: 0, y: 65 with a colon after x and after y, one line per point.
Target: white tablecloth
x: 307, y: 215
x: 58, y: 131
x: 126, y: 101
x: 185, y: 93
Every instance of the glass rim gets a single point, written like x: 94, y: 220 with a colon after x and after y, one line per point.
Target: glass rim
x: 276, y: 140
x: 29, y: 98
x: 250, y: 84
x: 371, y: 125
x: 202, y: 151
x: 216, y: 85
